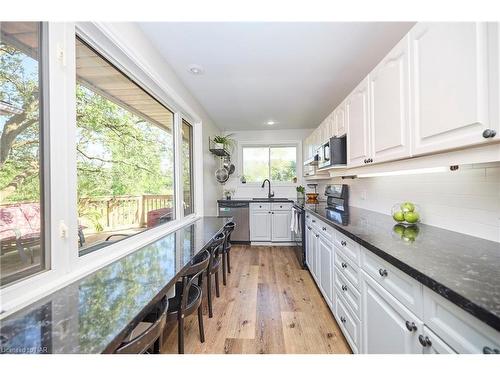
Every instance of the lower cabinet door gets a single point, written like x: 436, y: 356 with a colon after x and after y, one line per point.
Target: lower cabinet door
x: 281, y: 226
x: 315, y: 253
x: 349, y: 324
x: 325, y: 250
x: 309, y: 247
x: 260, y: 226
x: 432, y: 344
x: 388, y: 327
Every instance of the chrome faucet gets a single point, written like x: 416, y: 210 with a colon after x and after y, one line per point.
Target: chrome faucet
x: 269, y: 194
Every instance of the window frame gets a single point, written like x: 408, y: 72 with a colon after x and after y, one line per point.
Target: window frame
x: 44, y: 161
x: 61, y: 214
x: 298, y: 161
x: 176, y: 145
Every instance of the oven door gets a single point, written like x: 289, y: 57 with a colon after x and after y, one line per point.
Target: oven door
x: 299, y: 239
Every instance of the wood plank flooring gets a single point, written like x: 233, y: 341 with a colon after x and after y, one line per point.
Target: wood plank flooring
x: 269, y: 305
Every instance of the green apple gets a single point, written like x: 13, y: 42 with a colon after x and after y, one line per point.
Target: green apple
x: 399, y: 229
x: 408, y: 207
x: 398, y: 216
x: 411, y: 217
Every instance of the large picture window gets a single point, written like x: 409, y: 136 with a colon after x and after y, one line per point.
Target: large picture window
x: 125, y: 154
x: 277, y: 163
x: 21, y: 128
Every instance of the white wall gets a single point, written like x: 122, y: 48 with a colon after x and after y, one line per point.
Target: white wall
x: 266, y: 137
x: 466, y: 201
x: 137, y: 41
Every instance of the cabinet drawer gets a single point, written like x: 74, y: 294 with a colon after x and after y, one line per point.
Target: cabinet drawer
x: 260, y: 206
x: 437, y: 346
x: 350, y: 248
x: 405, y: 289
x: 460, y: 330
x: 350, y: 294
x: 349, y: 324
x: 326, y: 231
x: 347, y: 267
x: 281, y: 206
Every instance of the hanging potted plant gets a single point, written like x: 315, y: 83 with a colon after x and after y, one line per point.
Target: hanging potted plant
x: 224, y: 142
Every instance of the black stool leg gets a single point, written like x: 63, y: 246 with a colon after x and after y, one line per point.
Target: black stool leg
x: 181, y: 334
x: 209, y: 294
x: 217, y: 291
x: 224, y: 268
x: 200, y: 324
x: 229, y: 261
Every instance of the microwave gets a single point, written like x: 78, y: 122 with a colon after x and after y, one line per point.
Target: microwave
x: 333, y: 152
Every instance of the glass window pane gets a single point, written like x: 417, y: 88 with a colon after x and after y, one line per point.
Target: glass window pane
x: 21, y: 206
x: 125, y: 154
x: 283, y: 164
x: 187, y: 167
x: 256, y: 163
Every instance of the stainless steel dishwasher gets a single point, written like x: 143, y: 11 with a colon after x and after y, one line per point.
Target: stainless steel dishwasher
x: 239, y: 210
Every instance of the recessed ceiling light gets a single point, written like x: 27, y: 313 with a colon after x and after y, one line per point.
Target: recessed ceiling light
x: 195, y: 69
x: 271, y: 123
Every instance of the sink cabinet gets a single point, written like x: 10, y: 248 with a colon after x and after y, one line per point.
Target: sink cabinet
x: 270, y: 222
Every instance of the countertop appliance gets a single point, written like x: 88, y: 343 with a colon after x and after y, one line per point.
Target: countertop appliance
x: 337, y: 205
x: 299, y: 237
x: 240, y: 213
x: 333, y: 152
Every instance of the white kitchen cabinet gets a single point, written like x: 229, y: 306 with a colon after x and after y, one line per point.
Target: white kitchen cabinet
x: 432, y: 344
x: 339, y: 120
x: 270, y: 222
x: 449, y: 70
x: 325, y: 252
x: 309, y: 247
x: 280, y: 224
x: 388, y: 327
x: 358, y: 148
x: 260, y: 226
x: 348, y: 323
x: 389, y: 105
x: 460, y: 330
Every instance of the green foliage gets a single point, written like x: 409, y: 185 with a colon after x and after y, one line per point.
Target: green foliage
x: 118, y: 152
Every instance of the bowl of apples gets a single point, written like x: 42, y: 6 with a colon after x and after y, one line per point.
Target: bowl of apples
x: 406, y: 213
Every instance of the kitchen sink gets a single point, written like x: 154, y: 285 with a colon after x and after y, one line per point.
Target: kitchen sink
x: 271, y: 199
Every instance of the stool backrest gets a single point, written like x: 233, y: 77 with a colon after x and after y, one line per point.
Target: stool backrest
x: 145, y: 340
x: 228, y: 229
x: 192, y: 273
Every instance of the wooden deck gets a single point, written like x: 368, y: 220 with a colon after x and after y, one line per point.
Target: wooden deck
x: 270, y: 305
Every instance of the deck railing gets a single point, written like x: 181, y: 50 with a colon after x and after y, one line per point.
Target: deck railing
x: 118, y: 212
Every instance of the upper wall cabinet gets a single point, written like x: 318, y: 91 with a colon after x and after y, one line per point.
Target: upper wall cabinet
x: 339, y: 122
x: 358, y: 128
x: 389, y: 105
x: 449, y: 73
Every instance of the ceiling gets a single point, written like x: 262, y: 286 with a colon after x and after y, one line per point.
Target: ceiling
x: 292, y: 73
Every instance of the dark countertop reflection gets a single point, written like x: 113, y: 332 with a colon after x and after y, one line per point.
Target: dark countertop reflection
x: 93, y: 314
x: 462, y: 268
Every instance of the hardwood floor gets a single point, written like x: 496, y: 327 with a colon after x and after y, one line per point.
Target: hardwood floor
x: 269, y: 305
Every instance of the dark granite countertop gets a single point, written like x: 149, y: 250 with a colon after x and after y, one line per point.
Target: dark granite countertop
x: 95, y: 313
x: 462, y: 268
x: 256, y: 200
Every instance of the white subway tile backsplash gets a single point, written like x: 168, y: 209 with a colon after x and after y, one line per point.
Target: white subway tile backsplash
x: 466, y: 201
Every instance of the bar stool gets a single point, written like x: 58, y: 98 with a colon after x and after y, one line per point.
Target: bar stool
x: 226, y: 259
x: 214, y: 267
x: 188, y: 297
x: 146, y: 337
